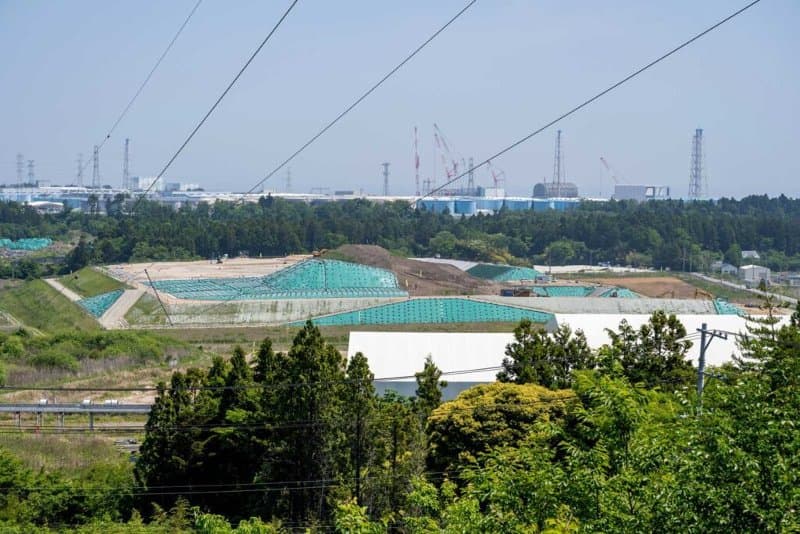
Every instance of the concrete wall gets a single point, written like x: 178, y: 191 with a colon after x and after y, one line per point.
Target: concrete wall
x: 605, y: 305
x: 264, y: 311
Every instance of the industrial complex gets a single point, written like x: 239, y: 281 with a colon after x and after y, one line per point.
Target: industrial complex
x: 471, y: 199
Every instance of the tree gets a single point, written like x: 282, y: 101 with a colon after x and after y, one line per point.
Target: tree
x: 80, y: 256
x: 734, y: 255
x: 429, y: 387
x: 653, y: 355
x: 488, y: 416
x: 359, y: 405
x: 537, y: 357
x: 309, y: 441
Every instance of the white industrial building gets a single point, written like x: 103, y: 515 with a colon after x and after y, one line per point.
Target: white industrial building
x: 394, y: 357
x: 145, y: 183
x: 753, y: 275
x: 641, y: 193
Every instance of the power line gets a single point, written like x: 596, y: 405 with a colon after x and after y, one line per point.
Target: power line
x: 214, y: 106
x: 590, y: 100
x: 252, y: 386
x: 362, y: 97
x: 146, y: 80
x: 329, y: 126
x: 266, y: 426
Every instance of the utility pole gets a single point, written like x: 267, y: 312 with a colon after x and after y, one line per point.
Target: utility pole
x: 358, y: 450
x: 706, y: 336
x: 164, y: 308
x: 288, y: 179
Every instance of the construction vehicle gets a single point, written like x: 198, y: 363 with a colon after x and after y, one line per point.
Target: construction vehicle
x: 703, y: 293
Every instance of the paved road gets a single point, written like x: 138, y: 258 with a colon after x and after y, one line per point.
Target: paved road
x: 758, y: 292
x: 114, y: 317
x: 58, y: 286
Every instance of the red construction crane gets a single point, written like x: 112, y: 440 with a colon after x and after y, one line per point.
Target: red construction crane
x: 498, y: 175
x: 610, y: 170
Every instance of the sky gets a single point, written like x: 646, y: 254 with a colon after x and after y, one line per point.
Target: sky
x: 504, y: 69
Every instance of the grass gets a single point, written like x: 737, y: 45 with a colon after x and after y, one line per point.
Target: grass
x: 146, y: 310
x: 38, y: 305
x: 721, y: 291
x: 67, y: 453
x: 88, y: 282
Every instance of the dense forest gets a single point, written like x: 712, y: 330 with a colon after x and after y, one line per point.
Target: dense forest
x: 666, y: 234
x: 566, y: 440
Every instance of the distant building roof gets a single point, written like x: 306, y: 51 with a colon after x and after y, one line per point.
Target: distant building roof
x: 750, y: 254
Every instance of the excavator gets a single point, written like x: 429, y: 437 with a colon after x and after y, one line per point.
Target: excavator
x: 702, y: 293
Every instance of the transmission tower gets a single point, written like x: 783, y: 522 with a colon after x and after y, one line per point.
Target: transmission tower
x: 471, y: 178
x: 385, y: 179
x: 126, y: 179
x: 288, y: 179
x: 698, y: 181
x: 558, y: 165
x: 96, y: 167
x: 80, y: 170
x: 31, y: 175
x: 20, y: 167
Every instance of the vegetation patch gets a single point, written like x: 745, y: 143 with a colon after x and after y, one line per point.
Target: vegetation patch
x: 38, y: 305
x: 43, y: 358
x: 146, y: 310
x: 89, y: 282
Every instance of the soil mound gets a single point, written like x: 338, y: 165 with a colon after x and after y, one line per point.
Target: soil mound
x: 419, y: 278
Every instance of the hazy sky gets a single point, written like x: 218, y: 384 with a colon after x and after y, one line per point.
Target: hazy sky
x: 506, y: 67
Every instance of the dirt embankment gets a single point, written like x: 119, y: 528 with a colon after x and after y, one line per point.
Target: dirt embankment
x: 418, y: 277
x: 653, y: 286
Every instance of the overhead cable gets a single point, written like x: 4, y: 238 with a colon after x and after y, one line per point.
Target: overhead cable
x: 590, y: 100
x: 216, y: 103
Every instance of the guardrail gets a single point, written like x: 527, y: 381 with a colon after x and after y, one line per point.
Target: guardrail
x: 73, y: 408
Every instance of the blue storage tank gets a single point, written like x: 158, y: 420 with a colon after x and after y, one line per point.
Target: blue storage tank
x: 436, y: 205
x: 518, y: 204
x: 542, y: 204
x: 465, y: 207
x: 493, y: 204
x: 563, y: 204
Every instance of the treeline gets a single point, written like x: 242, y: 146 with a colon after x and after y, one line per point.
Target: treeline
x: 668, y: 234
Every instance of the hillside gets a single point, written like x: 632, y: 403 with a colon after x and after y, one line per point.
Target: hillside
x: 38, y: 305
x: 419, y: 278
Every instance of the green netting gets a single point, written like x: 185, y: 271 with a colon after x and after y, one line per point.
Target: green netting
x: 30, y: 243
x: 563, y: 291
x: 99, y: 304
x: 724, y: 307
x: 305, y: 280
x: 518, y: 273
x: 487, y: 271
x: 620, y: 292
x: 503, y: 273
x: 434, y: 310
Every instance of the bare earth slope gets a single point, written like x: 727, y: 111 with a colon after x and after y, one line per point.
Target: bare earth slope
x: 418, y: 277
